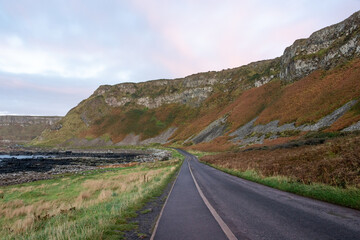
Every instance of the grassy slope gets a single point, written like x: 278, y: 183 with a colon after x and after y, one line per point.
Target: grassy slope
x: 21, y: 133
x: 92, y: 206
x: 304, y: 101
x: 116, y: 122
x: 315, y: 96
x: 328, y: 172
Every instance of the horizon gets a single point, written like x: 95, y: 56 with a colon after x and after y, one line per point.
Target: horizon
x: 52, y: 57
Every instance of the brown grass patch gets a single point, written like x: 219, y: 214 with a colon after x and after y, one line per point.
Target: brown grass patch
x: 104, y: 195
x: 122, y: 165
x: 23, y: 224
x: 337, y: 162
x: 251, y: 103
x: 277, y: 141
x: 83, y: 196
x: 348, y: 119
x: 220, y: 144
x: 14, y: 204
x: 318, y: 94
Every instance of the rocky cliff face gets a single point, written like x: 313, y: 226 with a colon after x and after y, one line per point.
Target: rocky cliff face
x: 202, y: 108
x: 20, y: 129
x: 325, y: 49
x: 27, y: 120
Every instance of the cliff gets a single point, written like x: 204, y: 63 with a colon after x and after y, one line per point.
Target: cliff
x: 21, y: 129
x: 28, y: 120
x: 326, y: 48
x: 313, y: 86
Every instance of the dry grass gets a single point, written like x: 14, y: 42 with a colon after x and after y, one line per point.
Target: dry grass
x: 277, y: 141
x: 251, y: 103
x: 104, y: 194
x: 220, y: 144
x: 122, y: 165
x: 242, y: 110
x: 336, y: 163
x: 348, y: 119
x: 22, y: 224
x: 304, y: 101
x: 20, y: 215
x: 315, y: 96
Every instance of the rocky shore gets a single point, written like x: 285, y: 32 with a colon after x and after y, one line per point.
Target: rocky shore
x: 38, y: 165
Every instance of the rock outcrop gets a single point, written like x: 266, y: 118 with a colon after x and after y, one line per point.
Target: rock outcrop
x: 255, y: 134
x: 214, y: 130
x: 192, y: 109
x: 21, y: 129
x: 325, y: 49
x: 27, y: 120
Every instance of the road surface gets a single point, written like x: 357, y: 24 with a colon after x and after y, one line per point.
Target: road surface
x: 240, y: 209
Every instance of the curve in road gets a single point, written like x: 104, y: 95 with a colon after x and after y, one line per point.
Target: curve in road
x: 250, y: 210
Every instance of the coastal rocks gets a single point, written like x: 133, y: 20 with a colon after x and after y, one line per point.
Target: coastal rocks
x: 46, y: 165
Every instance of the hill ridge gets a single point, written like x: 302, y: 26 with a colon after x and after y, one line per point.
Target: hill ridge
x: 268, y: 90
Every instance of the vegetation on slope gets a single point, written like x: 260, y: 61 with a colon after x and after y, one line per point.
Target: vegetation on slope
x: 140, y: 121
x: 349, y: 118
x: 325, y: 67
x: 21, y: 133
x: 315, y: 96
x: 328, y: 172
x: 94, y: 118
x: 303, y: 102
x: 94, y: 205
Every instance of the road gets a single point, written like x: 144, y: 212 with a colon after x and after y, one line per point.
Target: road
x: 245, y: 210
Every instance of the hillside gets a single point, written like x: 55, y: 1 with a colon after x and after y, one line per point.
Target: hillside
x: 21, y: 129
x: 313, y: 86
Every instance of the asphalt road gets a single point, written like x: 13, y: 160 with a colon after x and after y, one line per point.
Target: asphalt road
x: 249, y: 210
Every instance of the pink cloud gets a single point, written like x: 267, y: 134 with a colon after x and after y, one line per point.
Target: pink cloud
x: 205, y: 35
x: 15, y: 83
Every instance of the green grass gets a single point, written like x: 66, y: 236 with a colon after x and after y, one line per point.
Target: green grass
x: 97, y: 205
x: 349, y: 197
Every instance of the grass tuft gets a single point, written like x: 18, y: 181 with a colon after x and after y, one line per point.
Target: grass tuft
x: 97, y: 205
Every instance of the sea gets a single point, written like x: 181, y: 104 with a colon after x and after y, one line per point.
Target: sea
x: 2, y: 157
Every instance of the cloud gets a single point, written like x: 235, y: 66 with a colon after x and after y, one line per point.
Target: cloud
x: 16, y: 58
x: 2, y: 113
x: 57, y: 54
x: 19, y: 84
x: 205, y: 35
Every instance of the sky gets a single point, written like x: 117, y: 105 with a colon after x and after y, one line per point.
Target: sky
x: 53, y: 54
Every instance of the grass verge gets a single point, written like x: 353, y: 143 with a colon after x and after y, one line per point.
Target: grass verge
x: 96, y: 205
x: 349, y: 197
